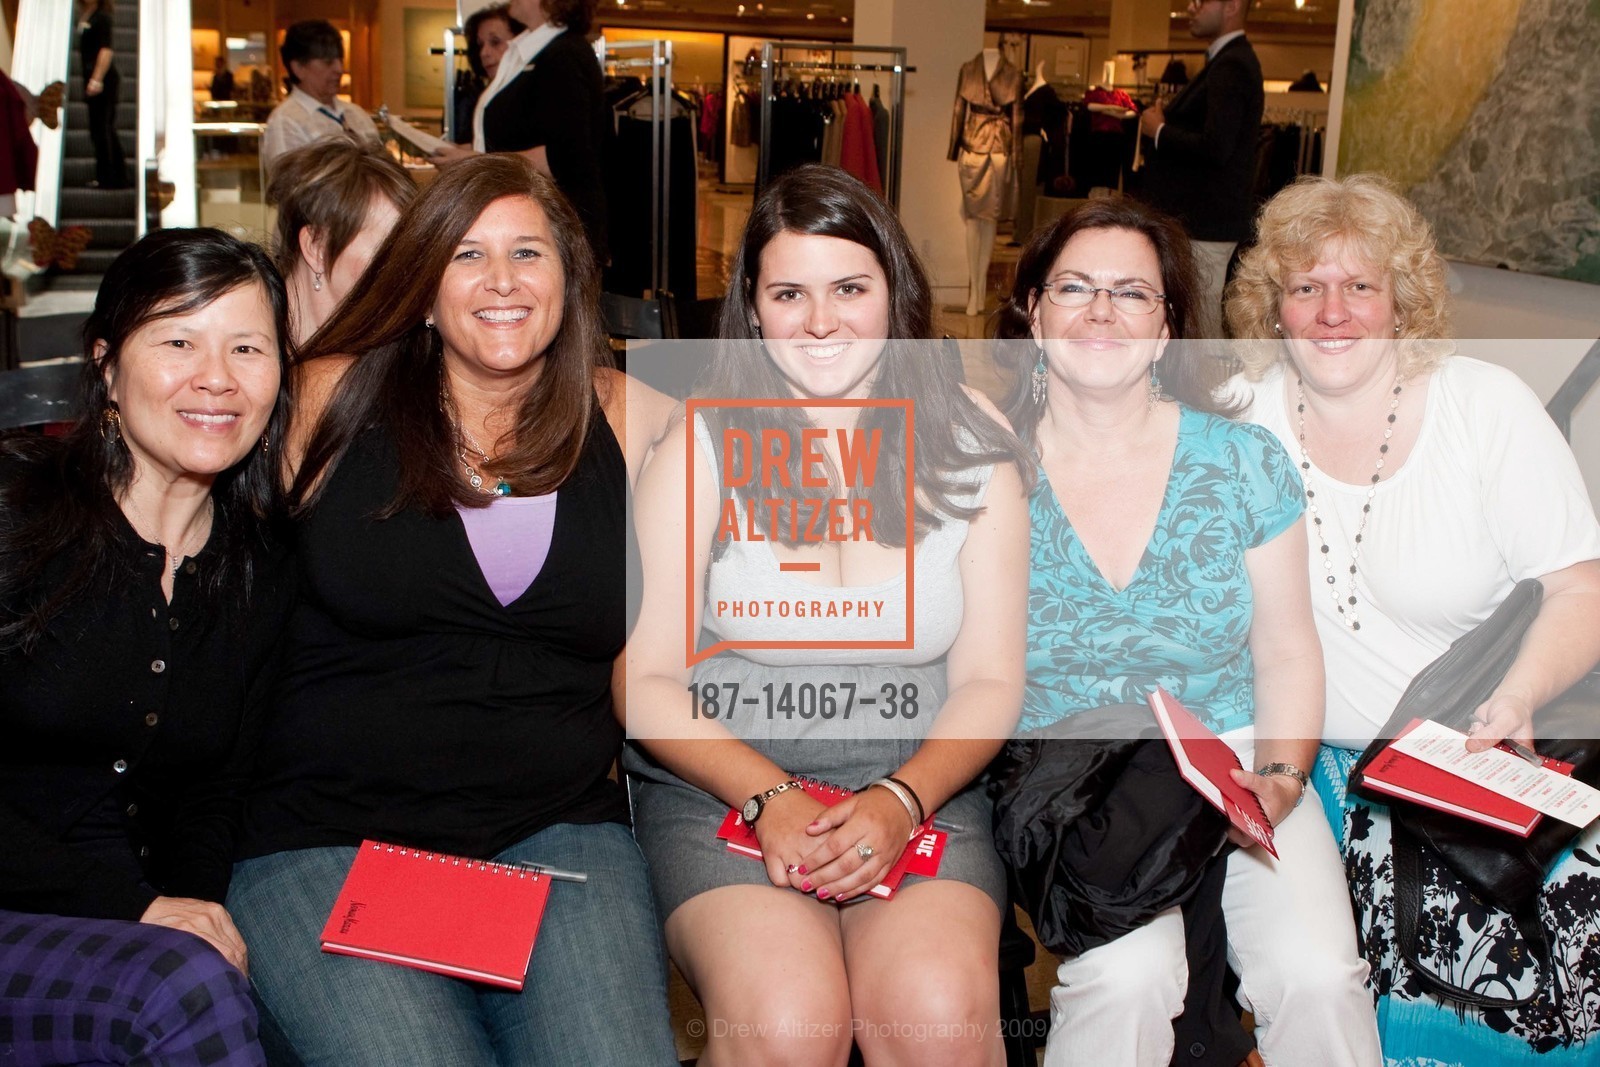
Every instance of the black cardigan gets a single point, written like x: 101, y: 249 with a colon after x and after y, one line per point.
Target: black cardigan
x: 126, y: 738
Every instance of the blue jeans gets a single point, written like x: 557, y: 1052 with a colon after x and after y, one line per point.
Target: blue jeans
x: 596, y: 990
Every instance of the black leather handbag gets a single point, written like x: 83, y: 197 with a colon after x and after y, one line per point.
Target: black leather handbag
x: 1498, y: 867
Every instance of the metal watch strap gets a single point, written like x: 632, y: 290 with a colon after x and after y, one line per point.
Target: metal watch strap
x: 1288, y: 770
x: 760, y: 799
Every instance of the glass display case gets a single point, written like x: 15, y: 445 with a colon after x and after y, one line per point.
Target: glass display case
x: 229, y: 180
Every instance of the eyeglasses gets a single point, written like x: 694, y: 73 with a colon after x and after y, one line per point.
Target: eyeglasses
x: 1128, y: 299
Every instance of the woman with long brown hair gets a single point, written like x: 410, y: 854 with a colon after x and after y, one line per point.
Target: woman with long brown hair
x: 460, y: 471
x: 823, y: 337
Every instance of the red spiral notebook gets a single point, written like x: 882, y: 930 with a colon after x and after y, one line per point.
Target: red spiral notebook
x: 921, y: 856
x: 1205, y: 760
x: 462, y: 917
x: 1400, y: 775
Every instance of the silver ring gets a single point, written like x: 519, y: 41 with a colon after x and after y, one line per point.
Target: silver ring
x: 793, y: 867
x: 864, y: 850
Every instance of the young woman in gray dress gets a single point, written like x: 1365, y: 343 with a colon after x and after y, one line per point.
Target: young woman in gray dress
x: 824, y: 276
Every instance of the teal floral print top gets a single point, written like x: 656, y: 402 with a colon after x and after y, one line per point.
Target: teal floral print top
x: 1183, y: 620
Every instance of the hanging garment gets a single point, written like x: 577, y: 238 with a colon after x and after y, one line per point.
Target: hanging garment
x: 880, y: 133
x: 860, y: 156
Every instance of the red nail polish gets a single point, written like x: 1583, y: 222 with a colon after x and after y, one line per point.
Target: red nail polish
x: 806, y: 885
x: 822, y: 894
x: 803, y: 869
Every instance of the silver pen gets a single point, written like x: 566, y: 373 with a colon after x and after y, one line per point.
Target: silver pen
x: 553, y: 873
x: 1524, y: 751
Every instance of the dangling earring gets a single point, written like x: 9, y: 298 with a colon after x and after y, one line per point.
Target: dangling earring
x: 1039, y: 379
x: 316, y: 280
x: 266, y: 443
x: 111, y: 424
x: 1154, y: 396
x: 428, y: 322
x: 756, y: 326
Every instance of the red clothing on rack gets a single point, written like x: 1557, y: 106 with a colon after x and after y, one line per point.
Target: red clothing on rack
x: 859, y: 155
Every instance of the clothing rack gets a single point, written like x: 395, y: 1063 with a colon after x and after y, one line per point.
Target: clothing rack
x: 773, y: 64
x: 655, y: 59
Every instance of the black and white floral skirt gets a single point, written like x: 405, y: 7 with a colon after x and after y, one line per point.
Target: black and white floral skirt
x: 1472, y: 945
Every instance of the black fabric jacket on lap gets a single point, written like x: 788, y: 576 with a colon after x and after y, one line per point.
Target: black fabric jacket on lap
x: 1100, y: 834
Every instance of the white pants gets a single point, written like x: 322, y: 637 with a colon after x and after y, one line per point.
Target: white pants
x: 1211, y: 265
x: 1291, y: 940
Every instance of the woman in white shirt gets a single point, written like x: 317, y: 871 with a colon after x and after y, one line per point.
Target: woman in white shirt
x: 1434, y: 483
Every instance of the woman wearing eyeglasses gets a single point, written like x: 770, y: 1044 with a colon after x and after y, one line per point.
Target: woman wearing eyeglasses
x: 1167, y: 551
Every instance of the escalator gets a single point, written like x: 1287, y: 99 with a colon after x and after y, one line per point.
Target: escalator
x: 154, y: 122
x: 110, y: 215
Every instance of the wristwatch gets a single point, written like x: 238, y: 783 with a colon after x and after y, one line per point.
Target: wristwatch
x: 1288, y: 770
x: 752, y: 807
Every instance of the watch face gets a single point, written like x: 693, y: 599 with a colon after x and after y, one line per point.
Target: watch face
x: 751, y: 810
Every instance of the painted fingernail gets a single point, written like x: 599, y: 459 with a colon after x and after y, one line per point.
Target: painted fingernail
x: 822, y: 894
x: 806, y: 885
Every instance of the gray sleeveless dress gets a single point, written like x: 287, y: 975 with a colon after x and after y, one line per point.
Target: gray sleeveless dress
x: 676, y: 823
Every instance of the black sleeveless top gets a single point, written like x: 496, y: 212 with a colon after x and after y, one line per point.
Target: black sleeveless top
x: 413, y: 707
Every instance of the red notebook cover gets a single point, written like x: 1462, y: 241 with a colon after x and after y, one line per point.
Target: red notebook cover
x: 1204, y: 760
x: 921, y: 856
x: 462, y: 917
x: 1409, y: 778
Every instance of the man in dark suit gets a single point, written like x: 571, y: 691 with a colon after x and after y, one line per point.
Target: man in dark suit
x: 1200, y: 150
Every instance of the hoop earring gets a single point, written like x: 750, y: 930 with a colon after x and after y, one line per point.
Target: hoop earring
x: 316, y: 280
x: 111, y: 424
x: 1039, y: 380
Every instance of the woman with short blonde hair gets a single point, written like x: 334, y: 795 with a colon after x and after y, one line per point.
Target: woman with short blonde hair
x: 1434, y: 483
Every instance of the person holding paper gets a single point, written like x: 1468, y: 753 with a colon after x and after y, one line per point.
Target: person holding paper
x: 313, y: 55
x: 826, y: 312
x: 1439, y: 482
x: 337, y: 202
x: 460, y: 473
x: 546, y: 102
x: 1167, y: 551
x: 141, y: 596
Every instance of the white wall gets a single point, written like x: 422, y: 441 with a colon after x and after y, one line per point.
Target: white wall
x: 1538, y: 327
x: 939, y: 36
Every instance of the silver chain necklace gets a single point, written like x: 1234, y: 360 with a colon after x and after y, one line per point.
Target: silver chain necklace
x: 474, y: 476
x: 1346, y: 604
x: 185, y: 549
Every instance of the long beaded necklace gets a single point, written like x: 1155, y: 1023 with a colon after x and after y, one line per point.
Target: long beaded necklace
x: 1346, y: 604
x: 474, y: 477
